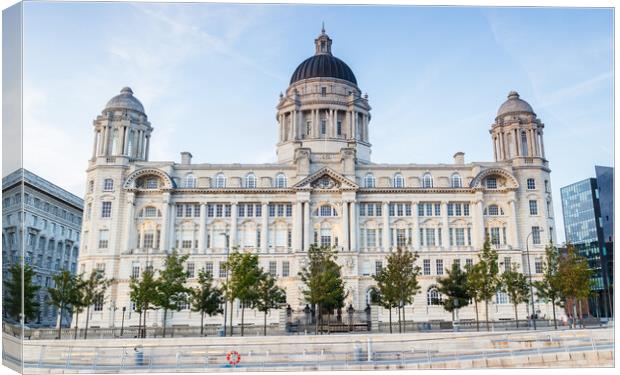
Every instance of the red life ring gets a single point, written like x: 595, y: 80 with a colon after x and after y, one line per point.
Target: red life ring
x: 233, y: 357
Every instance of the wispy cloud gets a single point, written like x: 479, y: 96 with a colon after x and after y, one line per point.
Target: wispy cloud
x: 575, y: 90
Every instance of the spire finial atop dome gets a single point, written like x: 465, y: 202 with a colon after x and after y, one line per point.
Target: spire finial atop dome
x: 323, y: 27
x: 513, y: 95
x: 323, y: 43
x: 126, y: 90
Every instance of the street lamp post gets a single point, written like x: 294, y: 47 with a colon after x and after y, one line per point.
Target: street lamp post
x: 529, y: 268
x: 226, y: 304
x: 123, y: 321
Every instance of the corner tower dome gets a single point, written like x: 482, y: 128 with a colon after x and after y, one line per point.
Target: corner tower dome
x: 514, y: 104
x: 125, y: 100
x: 323, y: 63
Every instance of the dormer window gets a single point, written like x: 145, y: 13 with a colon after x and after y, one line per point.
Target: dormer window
x: 369, y: 181
x: 427, y: 181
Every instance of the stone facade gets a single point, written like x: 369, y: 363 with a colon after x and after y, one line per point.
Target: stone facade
x: 41, y: 224
x: 324, y: 189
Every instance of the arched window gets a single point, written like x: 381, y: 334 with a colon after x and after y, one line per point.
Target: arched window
x: 190, y: 181
x: 281, y: 180
x: 148, y: 182
x: 220, y: 180
x: 250, y: 181
x: 427, y: 181
x: 456, y: 180
x: 523, y: 144
x: 399, y: 180
x: 433, y: 297
x: 369, y: 180
x: 108, y: 184
x: 327, y: 210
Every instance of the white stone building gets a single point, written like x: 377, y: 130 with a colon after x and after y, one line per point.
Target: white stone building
x: 323, y: 189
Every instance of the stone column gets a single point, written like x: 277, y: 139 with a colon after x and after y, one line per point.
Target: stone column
x: 233, y: 225
x: 165, y: 230
x: 514, y: 231
x: 345, y: 226
x: 445, y: 239
x: 478, y: 224
x: 297, y: 226
x: 415, y: 242
x: 386, y: 226
x: 129, y: 224
x: 518, y: 141
x: 264, y: 228
x: 202, y: 241
x: 106, y: 139
x: 542, y: 145
x: 148, y: 144
x: 354, y: 230
x: 307, y: 226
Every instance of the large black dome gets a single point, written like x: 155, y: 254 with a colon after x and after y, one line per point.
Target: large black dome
x: 324, y: 65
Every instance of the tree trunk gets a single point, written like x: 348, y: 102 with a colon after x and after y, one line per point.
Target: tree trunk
x: 516, y: 316
x: 329, y: 315
x: 231, y: 317
x: 60, y: 321
x: 265, y: 324
x: 477, y: 320
x: 404, y: 320
x: 574, y: 313
x: 165, y: 317
x: 143, y: 332
x: 202, y: 323
x: 242, y: 313
x: 390, y: 319
x: 486, y: 313
x: 580, y: 315
x: 400, y: 329
x: 555, y: 322
x: 77, y: 315
x: 139, y: 324
x: 87, y: 320
x: 317, y: 313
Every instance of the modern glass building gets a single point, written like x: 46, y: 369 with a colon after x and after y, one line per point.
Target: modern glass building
x: 587, y: 208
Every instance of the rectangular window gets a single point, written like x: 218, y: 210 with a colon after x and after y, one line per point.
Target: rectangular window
x: 450, y: 209
x: 289, y: 238
x: 210, y: 210
x: 531, y: 184
x: 273, y: 268
x: 420, y: 209
x: 437, y: 209
x: 190, y: 269
x: 469, y: 236
x: 222, y: 270
x: 272, y: 210
x: 460, y: 236
x: 491, y: 183
x: 323, y: 127
x: 135, y: 270
x: 98, y: 303
x: 280, y: 210
x: 103, y: 239
x: 108, y: 184
x: 289, y: 210
x: 227, y: 209
x: 533, y: 207
x: 250, y: 210
x: 106, y: 209
x: 219, y: 210
x: 209, y: 268
x: 186, y: 244
x: 439, y: 264
x: 401, y: 237
x: 148, y: 240
x: 427, y: 266
x: 538, y: 265
x: 507, y: 265
x: 286, y: 268
x: 429, y: 209
x: 469, y: 262
x: 495, y: 236
x: 241, y: 210
x: 179, y: 210
x: 450, y: 237
x: 457, y: 209
x: 378, y: 267
x: 196, y: 210
x: 536, y: 235
x: 465, y: 209
x: 457, y: 262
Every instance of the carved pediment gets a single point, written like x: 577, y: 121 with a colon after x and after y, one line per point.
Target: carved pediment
x: 326, y: 179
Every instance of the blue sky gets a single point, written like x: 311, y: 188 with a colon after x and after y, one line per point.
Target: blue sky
x: 209, y: 77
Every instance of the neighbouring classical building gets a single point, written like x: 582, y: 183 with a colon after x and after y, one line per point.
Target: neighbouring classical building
x: 41, y: 224
x: 587, y: 208
x: 323, y: 189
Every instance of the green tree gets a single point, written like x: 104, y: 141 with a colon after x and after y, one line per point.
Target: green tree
x: 549, y: 287
x: 269, y: 296
x: 205, y: 298
x: 19, y: 287
x: 241, y: 285
x: 171, y: 292
x: 143, y: 293
x: 515, y: 285
x: 574, y: 275
x: 454, y: 287
x: 397, y: 283
x: 63, y: 294
x: 474, y: 286
x: 489, y: 276
x: 93, y: 291
x: 323, y: 284
x: 77, y: 302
